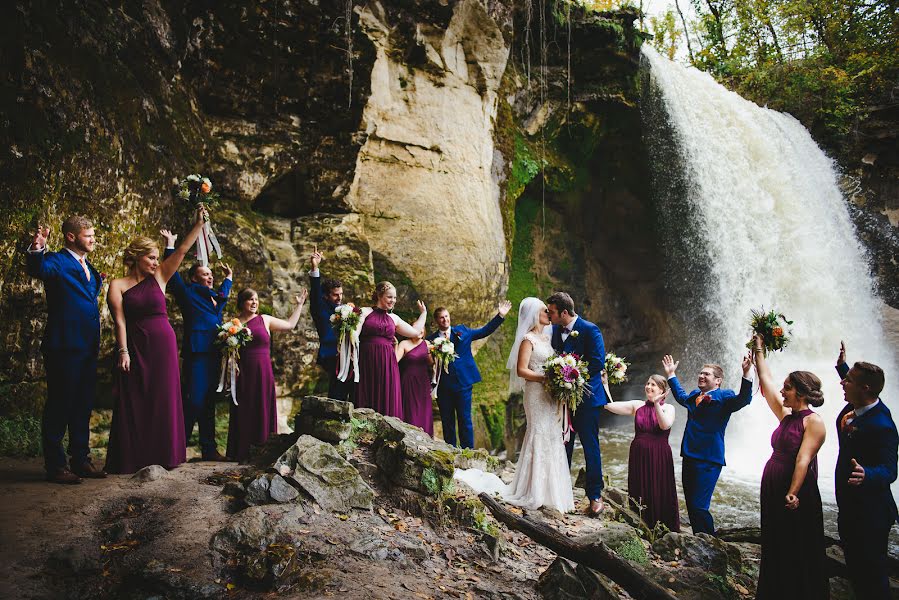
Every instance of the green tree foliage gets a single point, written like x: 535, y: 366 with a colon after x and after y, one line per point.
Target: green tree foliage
x: 666, y: 33
x: 823, y: 61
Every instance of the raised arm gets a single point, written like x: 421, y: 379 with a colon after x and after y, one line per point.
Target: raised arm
x: 170, y: 265
x: 842, y: 367
x: 417, y: 328
x: 501, y: 311
x: 742, y: 399
x: 114, y: 300
x: 35, y: 263
x: 627, y: 409
x: 228, y: 281
x: 812, y: 440
x: 276, y: 324
x: 524, y: 355
x: 176, y: 282
x: 670, y: 367
x: 766, y: 381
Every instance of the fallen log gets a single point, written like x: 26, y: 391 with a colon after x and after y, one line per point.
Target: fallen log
x: 596, y: 556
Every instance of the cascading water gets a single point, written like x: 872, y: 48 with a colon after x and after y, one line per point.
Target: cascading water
x: 751, y: 216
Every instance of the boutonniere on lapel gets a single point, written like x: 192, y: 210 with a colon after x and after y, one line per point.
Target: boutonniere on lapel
x: 574, y: 333
x: 103, y: 277
x: 847, y: 427
x: 457, y: 333
x: 703, y: 399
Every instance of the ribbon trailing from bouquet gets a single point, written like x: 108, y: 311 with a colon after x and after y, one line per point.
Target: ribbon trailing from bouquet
x: 348, y: 355
x: 435, y: 383
x: 566, y: 424
x: 229, y: 364
x: 207, y: 244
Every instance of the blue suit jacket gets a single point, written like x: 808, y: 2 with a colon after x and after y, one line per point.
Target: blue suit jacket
x: 321, y: 310
x: 873, y: 442
x: 589, y: 345
x: 704, y: 432
x: 73, y: 319
x: 201, y: 318
x: 463, y: 372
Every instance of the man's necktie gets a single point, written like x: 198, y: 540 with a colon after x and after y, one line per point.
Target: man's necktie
x: 87, y: 272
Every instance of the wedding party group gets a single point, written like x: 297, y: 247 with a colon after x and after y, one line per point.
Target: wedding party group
x: 793, y: 561
x: 558, y: 361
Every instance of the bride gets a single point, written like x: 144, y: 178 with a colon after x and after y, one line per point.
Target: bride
x: 542, y: 477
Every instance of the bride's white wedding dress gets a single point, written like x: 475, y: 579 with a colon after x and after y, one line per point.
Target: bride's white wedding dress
x: 542, y: 477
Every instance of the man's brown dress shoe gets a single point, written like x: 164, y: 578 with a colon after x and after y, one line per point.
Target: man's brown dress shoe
x: 62, y: 475
x: 88, y: 471
x: 215, y: 457
x: 595, y: 508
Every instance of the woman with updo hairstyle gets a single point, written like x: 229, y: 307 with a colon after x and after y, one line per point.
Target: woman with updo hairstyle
x: 650, y: 465
x: 379, y: 384
x: 147, y: 417
x: 255, y: 417
x: 793, y: 560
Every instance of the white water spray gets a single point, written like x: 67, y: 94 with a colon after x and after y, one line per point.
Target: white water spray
x: 770, y: 229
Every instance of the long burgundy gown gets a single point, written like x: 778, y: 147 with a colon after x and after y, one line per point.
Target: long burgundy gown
x: 793, y: 559
x: 255, y: 416
x: 379, y: 375
x: 650, y: 476
x: 147, y: 419
x: 415, y: 376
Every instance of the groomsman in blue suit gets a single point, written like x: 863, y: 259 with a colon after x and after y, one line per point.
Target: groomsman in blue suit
x: 201, y: 308
x: 574, y: 334
x: 70, y: 346
x: 709, y: 408
x: 324, y: 296
x: 866, y: 466
x: 454, y: 391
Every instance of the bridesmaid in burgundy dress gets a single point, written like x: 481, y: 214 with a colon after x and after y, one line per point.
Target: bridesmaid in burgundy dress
x: 650, y: 467
x: 793, y: 559
x: 379, y: 375
x: 147, y: 418
x: 256, y: 417
x: 416, y: 365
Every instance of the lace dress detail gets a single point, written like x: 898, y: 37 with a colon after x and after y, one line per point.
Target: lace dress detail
x: 542, y: 477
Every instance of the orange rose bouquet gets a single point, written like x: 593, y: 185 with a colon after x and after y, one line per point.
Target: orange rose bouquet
x: 198, y: 189
x: 231, y: 337
x: 771, y: 326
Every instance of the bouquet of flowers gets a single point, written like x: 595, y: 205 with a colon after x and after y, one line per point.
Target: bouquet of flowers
x: 566, y: 379
x: 231, y: 337
x: 616, y: 369
x: 198, y: 189
x: 771, y: 326
x: 345, y: 322
x: 443, y: 351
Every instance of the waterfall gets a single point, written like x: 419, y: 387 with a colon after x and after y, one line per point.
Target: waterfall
x: 750, y: 216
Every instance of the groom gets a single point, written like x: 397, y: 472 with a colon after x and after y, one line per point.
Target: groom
x: 572, y: 333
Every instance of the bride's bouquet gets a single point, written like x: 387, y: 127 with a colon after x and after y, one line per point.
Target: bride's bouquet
x: 443, y: 351
x: 231, y: 337
x: 198, y: 189
x: 345, y: 322
x: 566, y: 379
x: 616, y: 369
x: 771, y: 326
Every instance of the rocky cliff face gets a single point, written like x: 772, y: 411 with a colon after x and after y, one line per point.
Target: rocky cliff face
x: 396, y: 136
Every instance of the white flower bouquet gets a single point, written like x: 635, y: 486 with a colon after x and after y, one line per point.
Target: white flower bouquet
x: 616, y: 369
x: 443, y: 351
x: 345, y: 322
x: 231, y: 337
x: 566, y: 379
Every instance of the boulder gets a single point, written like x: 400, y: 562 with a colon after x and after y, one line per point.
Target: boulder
x: 701, y: 550
x: 411, y: 458
x: 560, y: 581
x: 319, y: 470
x: 280, y: 491
x: 324, y: 418
x: 150, y: 473
x: 620, y: 538
x: 257, y: 490
x: 598, y: 587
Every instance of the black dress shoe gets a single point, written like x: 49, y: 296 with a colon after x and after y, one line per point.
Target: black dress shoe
x: 88, y: 471
x: 216, y: 457
x: 62, y: 475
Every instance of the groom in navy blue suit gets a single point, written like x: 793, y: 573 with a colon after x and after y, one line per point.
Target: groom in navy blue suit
x: 709, y: 408
x: 454, y: 391
x: 201, y: 308
x: 571, y: 333
x: 70, y: 346
x: 324, y: 297
x: 866, y: 466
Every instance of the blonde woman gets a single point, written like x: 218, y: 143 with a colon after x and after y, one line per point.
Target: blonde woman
x: 379, y: 375
x: 147, y: 418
